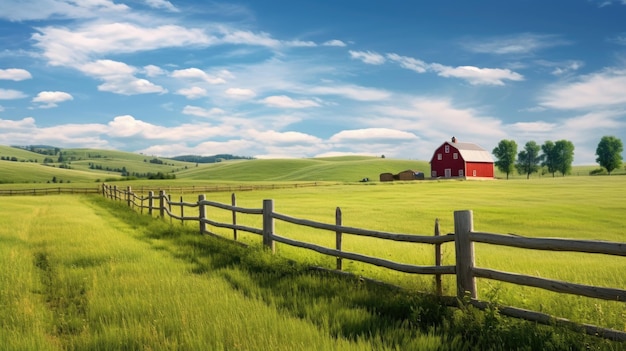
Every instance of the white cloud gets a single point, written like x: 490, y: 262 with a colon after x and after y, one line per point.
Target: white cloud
x: 119, y: 78
x: 371, y: 134
x: 249, y: 38
x: 524, y: 43
x: 368, y: 57
x: 416, y: 65
x: 274, y: 137
x: 197, y: 74
x: 25, y: 10
x: 334, y: 42
x: 353, y: 92
x: 201, y: 112
x: 66, y: 47
x: 192, y: 93
x: 10, y: 94
x: 153, y: 71
x: 162, y: 4
x: 240, y: 93
x: 15, y: 74
x: 478, y: 76
x: 128, y: 126
x: 49, y: 99
x: 597, y: 90
x: 533, y: 127
x: 11, y: 125
x: 282, y: 101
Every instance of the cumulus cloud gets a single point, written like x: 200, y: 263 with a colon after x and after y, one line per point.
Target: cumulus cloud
x: 15, y: 74
x: 162, y: 4
x: 192, y: 93
x: 10, y: 94
x: 49, y: 99
x: 198, y: 75
x: 202, y: 112
x: 63, y: 46
x: 26, y: 10
x: 474, y: 75
x: 371, y: 135
x: 119, y: 78
x: 240, y: 93
x: 153, y: 71
x: 601, y: 89
x: 283, y: 101
x: 368, y: 57
x: 478, y: 76
x: 273, y: 137
x: 334, y: 42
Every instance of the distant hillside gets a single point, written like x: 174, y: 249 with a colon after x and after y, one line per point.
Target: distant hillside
x: 209, y: 159
x: 342, y: 169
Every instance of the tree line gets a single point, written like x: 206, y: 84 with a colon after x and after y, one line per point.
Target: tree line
x: 553, y: 156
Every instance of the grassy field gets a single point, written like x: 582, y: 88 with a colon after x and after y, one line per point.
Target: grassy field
x: 106, y: 278
x: 544, y: 207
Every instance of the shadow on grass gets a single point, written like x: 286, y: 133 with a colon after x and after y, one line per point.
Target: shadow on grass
x: 345, y: 305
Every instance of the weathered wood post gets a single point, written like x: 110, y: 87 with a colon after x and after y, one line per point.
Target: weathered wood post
x: 268, y: 225
x: 338, y: 237
x: 233, y: 201
x: 150, y: 202
x: 202, y: 213
x: 182, y: 211
x: 465, y: 281
x: 114, y: 192
x: 104, y: 194
x: 438, y: 287
x: 162, y: 203
x: 129, y: 196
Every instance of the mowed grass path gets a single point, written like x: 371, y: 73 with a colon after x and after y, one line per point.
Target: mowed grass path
x: 75, y: 277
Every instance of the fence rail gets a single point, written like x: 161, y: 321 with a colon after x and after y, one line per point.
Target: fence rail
x: 463, y: 237
x: 49, y: 191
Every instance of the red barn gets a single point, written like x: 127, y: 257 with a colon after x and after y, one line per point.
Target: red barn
x: 455, y: 159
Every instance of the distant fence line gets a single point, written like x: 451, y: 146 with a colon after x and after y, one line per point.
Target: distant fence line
x: 464, y: 237
x: 193, y: 189
x: 49, y: 191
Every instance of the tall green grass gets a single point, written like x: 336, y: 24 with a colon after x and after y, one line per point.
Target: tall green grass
x: 588, y: 208
x: 106, y: 278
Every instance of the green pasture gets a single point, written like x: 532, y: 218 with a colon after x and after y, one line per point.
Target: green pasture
x: 88, y: 274
x: 589, y: 208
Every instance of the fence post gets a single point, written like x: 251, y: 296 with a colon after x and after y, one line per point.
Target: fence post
x: 182, y: 211
x: 233, y: 201
x: 268, y: 224
x: 128, y: 195
x: 162, y: 203
x: 150, y: 202
x: 438, y: 257
x: 465, y: 281
x: 202, y: 213
x: 115, y: 192
x: 338, y: 237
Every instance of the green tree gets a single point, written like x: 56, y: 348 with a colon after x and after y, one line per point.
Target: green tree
x: 564, y: 150
x: 528, y: 160
x: 549, y: 157
x: 505, y: 153
x: 609, y: 152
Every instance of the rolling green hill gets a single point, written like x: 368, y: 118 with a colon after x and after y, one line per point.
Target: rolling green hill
x: 343, y: 169
x: 91, y: 165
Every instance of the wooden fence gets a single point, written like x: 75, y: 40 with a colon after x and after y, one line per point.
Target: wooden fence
x: 464, y: 237
x: 49, y: 191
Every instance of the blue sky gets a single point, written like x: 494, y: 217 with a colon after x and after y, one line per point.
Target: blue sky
x: 279, y: 78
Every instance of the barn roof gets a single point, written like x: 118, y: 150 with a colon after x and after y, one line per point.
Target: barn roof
x: 472, y: 152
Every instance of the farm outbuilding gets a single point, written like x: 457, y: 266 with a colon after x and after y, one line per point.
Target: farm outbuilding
x: 410, y: 175
x: 386, y: 177
x: 455, y: 159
